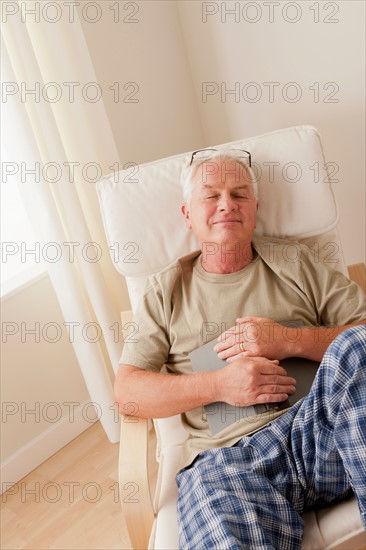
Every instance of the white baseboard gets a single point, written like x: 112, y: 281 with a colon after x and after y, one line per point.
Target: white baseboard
x: 31, y: 455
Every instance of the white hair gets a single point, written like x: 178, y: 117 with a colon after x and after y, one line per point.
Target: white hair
x: 188, y: 173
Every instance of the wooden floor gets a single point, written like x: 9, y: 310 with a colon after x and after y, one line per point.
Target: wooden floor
x: 69, y: 502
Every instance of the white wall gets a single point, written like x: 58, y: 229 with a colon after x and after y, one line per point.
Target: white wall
x: 39, y: 373
x: 229, y: 51
x: 150, y: 53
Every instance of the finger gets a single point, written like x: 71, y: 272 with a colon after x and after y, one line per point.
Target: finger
x: 260, y: 365
x: 231, y: 341
x: 247, y: 354
x: 232, y: 351
x: 223, y: 343
x: 240, y: 320
x: 222, y: 346
x: 230, y: 334
x: 228, y: 353
x: 271, y: 398
x: 278, y: 381
x: 274, y: 389
x: 272, y: 367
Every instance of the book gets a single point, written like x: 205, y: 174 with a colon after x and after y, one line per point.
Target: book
x: 221, y: 415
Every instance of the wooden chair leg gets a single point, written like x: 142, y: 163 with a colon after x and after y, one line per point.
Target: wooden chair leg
x: 134, y: 484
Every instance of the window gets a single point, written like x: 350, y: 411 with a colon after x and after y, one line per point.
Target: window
x: 19, y: 259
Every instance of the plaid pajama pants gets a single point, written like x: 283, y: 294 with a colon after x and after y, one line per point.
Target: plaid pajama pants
x: 252, y: 495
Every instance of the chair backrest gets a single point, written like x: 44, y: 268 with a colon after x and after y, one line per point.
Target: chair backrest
x: 146, y: 231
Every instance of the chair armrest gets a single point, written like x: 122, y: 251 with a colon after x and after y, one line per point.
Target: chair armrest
x: 134, y: 483
x: 357, y: 272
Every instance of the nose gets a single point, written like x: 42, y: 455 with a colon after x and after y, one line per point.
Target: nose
x: 226, y: 203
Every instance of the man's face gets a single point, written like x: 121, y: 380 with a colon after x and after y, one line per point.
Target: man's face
x: 223, y: 206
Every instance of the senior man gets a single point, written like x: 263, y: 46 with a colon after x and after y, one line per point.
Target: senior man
x: 247, y: 485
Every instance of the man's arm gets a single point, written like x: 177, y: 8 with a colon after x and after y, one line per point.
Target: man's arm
x: 265, y: 337
x: 244, y: 382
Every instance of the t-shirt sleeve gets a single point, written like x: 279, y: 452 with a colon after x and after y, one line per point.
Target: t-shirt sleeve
x: 337, y: 299
x: 148, y: 346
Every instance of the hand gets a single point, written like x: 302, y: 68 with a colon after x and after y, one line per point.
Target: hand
x: 256, y: 337
x: 253, y: 380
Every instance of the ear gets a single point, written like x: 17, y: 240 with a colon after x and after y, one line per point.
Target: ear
x: 185, y: 212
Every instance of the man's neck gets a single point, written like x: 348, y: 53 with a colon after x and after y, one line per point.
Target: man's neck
x: 226, y: 257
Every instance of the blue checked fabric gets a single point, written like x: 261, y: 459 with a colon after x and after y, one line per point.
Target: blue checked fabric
x: 252, y: 495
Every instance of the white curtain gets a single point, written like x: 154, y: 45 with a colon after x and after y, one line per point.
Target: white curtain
x: 65, y: 120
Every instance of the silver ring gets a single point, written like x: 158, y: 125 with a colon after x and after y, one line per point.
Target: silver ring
x: 241, y: 346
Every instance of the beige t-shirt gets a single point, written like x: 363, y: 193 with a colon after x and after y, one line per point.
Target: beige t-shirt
x: 183, y: 307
